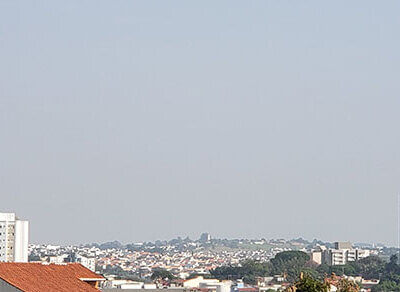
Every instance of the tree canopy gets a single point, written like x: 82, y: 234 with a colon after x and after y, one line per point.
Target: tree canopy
x: 162, y: 274
x: 293, y: 263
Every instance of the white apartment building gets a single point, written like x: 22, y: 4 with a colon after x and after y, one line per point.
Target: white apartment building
x: 336, y: 257
x: 14, y: 236
x: 87, y: 261
x: 343, y: 253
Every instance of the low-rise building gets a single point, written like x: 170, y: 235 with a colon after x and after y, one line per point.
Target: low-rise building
x: 198, y: 281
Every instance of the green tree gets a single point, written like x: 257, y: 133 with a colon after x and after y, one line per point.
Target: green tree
x: 386, y: 286
x: 345, y: 285
x: 308, y: 284
x: 162, y: 274
x: 371, y: 267
x: 248, y: 271
x: 291, y: 263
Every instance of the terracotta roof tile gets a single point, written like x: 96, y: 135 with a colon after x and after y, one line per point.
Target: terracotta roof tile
x: 36, y: 277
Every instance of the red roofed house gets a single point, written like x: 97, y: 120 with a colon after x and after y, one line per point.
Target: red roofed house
x: 36, y: 277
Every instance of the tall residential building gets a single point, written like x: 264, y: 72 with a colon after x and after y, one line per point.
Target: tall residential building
x: 343, y: 253
x: 14, y: 236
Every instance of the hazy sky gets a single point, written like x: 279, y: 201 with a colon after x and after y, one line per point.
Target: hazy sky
x: 143, y: 120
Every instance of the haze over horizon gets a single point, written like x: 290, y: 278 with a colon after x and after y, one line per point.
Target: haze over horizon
x: 197, y: 238
x: 144, y: 120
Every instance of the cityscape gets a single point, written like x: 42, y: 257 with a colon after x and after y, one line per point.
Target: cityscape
x: 199, y: 146
x: 205, y: 264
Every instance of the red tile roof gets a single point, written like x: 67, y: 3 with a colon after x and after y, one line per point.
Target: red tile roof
x: 36, y: 277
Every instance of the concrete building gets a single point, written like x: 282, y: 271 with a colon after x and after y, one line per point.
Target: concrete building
x: 317, y: 254
x: 112, y: 283
x: 14, y: 238
x: 336, y: 257
x: 343, y: 245
x: 87, y: 261
x: 198, y: 281
x: 342, y: 254
x: 224, y: 286
x: 363, y: 253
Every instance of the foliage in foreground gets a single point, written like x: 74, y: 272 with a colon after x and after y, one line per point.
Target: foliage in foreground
x: 306, y: 283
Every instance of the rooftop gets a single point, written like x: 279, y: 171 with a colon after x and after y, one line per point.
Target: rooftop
x: 36, y: 277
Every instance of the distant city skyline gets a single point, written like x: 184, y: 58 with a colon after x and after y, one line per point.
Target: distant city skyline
x: 187, y: 258
x: 139, y: 120
x: 184, y: 237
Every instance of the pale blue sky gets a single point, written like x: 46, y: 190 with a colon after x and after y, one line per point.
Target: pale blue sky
x: 143, y: 120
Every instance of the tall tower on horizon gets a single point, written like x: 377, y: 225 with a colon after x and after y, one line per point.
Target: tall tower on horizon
x: 14, y: 238
x: 205, y: 237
